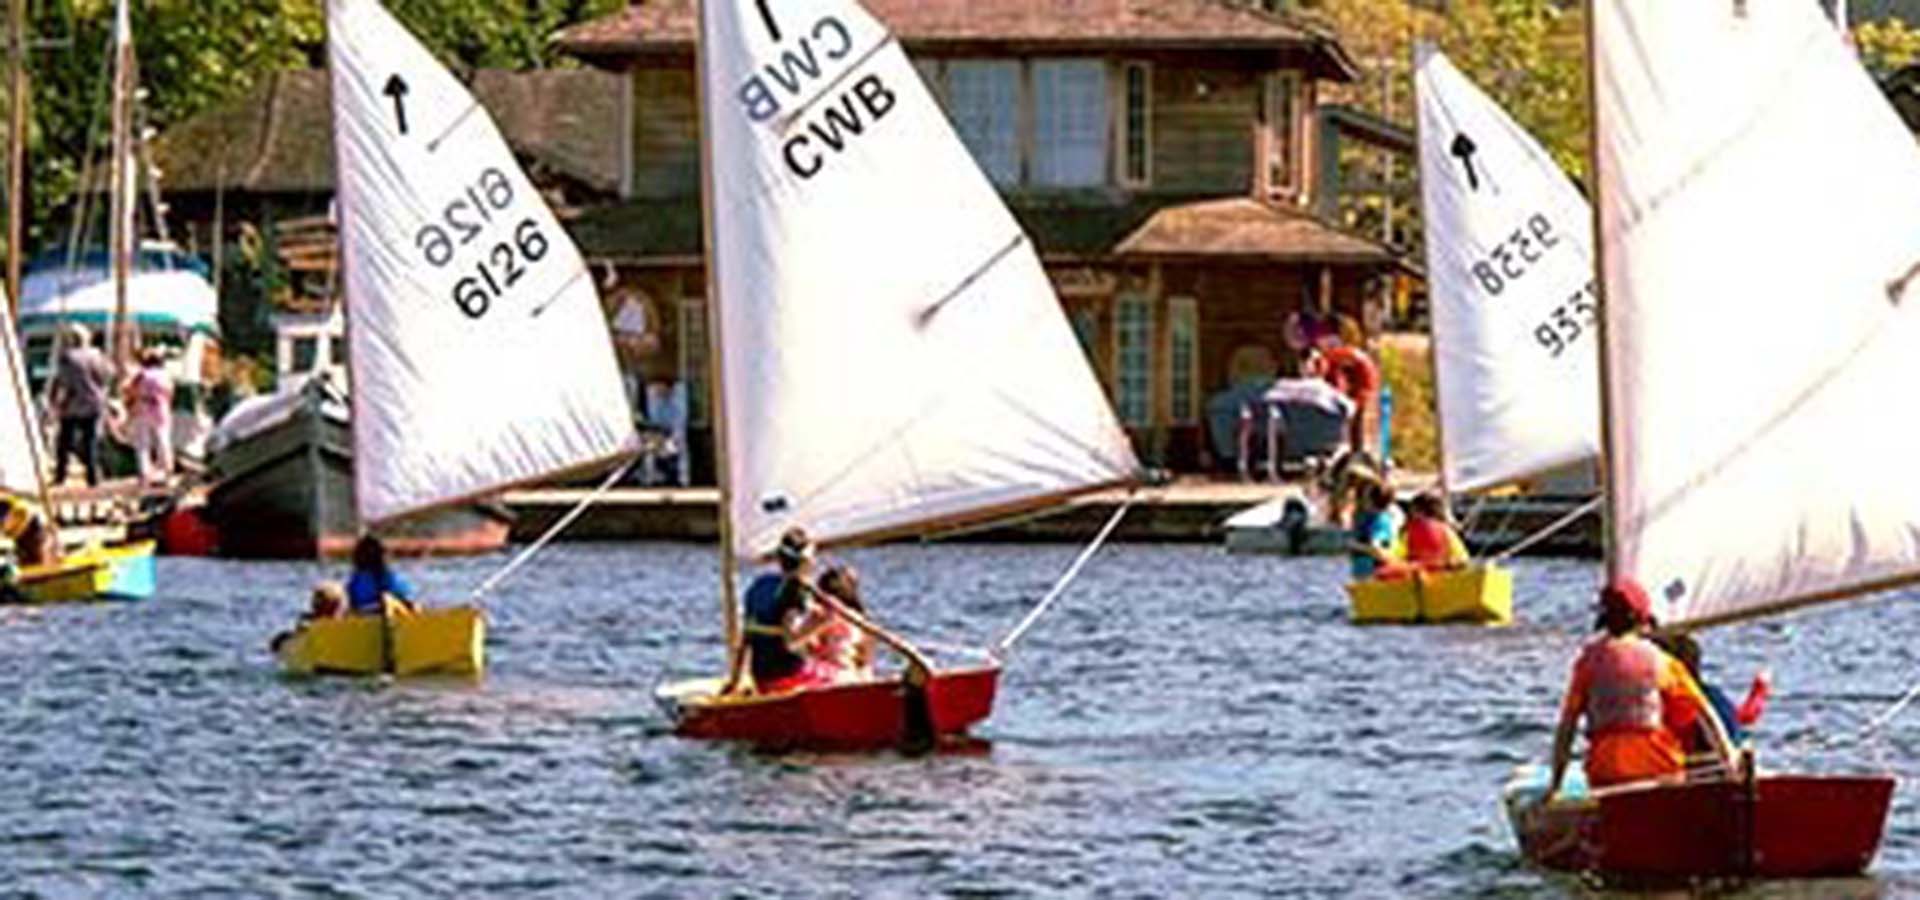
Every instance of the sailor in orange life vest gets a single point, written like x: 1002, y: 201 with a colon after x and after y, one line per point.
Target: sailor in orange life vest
x: 1433, y: 545
x: 1637, y: 700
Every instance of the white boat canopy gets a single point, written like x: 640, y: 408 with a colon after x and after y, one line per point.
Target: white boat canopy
x: 168, y: 290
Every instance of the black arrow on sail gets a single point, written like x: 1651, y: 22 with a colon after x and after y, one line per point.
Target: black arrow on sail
x: 397, y: 89
x: 1463, y: 147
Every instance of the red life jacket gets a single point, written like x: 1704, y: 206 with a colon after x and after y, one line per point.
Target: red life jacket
x: 1623, y: 686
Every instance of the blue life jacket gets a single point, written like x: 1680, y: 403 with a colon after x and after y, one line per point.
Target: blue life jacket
x: 364, y: 590
x: 767, y: 603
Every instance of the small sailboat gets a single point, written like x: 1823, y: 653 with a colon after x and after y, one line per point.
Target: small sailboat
x: 1509, y: 268
x: 1718, y: 256
x: 479, y: 355
x: 891, y: 358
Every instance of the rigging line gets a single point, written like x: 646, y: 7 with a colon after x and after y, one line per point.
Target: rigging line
x: 1865, y: 731
x: 1000, y: 648
x: 540, y: 543
x: 1552, y: 528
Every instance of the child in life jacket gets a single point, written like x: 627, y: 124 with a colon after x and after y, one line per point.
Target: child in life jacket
x: 841, y: 644
x: 1433, y: 545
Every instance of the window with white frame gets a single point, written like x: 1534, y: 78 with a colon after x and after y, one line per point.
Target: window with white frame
x: 1070, y: 122
x: 1183, y: 359
x: 1136, y: 125
x: 693, y: 358
x: 1133, y: 352
x: 1282, y: 131
x: 983, y: 99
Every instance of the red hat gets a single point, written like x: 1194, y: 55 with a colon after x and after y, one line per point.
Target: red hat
x: 1629, y: 595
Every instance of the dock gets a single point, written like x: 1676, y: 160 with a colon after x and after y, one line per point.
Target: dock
x: 1190, y: 510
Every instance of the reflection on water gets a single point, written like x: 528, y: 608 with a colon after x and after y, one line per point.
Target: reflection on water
x: 1184, y: 724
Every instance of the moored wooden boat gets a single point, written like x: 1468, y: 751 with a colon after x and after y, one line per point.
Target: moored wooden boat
x: 1481, y: 593
x: 863, y: 715
x: 283, y: 488
x: 1777, y: 826
x: 441, y: 641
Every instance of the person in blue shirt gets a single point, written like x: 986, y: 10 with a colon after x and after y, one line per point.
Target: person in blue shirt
x: 1375, y: 531
x: 778, y: 625
x: 371, y: 579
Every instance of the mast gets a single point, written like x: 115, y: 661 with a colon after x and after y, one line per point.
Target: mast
x: 121, y: 229
x: 1609, y: 448
x: 716, y: 381
x: 1433, y: 326
x: 16, y: 146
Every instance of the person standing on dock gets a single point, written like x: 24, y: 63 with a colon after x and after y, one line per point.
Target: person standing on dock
x: 150, y: 408
x: 1637, y: 701
x: 78, y: 397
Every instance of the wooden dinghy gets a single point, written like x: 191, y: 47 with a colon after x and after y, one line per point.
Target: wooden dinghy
x: 1481, y: 593
x: 441, y: 641
x: 1776, y: 826
x: 866, y: 715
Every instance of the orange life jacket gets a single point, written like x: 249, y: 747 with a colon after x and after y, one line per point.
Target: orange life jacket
x: 1623, y: 686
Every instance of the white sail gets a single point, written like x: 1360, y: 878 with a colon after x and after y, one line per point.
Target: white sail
x: 893, y: 353
x: 479, y: 355
x: 1760, y: 218
x: 21, y: 446
x: 1509, y: 274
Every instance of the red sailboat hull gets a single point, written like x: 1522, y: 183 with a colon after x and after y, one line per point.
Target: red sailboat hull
x: 1780, y: 826
x: 858, y: 716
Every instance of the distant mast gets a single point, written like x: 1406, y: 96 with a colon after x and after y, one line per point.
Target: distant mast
x: 122, y: 229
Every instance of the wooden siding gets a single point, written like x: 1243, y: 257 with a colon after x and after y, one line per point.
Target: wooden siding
x: 1204, y: 122
x: 666, y: 133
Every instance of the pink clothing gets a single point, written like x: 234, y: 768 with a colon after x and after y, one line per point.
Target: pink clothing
x: 150, y: 396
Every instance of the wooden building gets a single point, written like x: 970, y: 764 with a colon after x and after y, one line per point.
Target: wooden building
x: 1160, y: 153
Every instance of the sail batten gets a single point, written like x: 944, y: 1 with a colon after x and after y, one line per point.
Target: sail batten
x: 1509, y: 265
x: 1758, y: 317
x: 479, y: 353
x: 895, y: 355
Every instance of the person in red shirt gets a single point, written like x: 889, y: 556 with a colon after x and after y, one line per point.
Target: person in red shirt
x: 1353, y: 373
x: 1432, y: 543
x: 1636, y: 699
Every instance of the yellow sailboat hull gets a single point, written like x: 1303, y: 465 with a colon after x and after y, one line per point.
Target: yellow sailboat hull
x: 94, y: 572
x: 1480, y: 593
x: 444, y: 641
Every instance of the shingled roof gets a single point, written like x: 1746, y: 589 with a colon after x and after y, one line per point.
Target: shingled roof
x: 1248, y: 228
x: 278, y: 139
x: 668, y: 27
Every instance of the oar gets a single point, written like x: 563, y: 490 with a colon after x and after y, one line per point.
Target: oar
x: 918, y: 734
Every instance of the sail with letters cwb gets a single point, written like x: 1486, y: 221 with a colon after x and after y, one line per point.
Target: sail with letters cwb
x: 1509, y: 273
x: 480, y: 357
x: 1762, y: 322
x: 894, y: 356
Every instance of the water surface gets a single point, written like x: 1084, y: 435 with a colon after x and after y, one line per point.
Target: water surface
x: 1184, y: 724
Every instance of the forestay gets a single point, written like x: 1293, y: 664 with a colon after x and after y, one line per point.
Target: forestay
x: 894, y: 355
x: 1760, y: 217
x: 1510, y: 275
x: 480, y: 356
